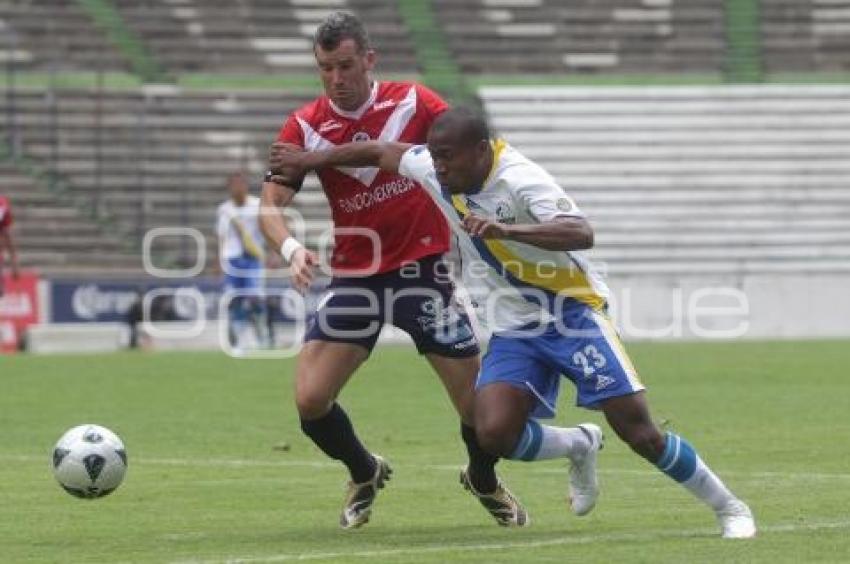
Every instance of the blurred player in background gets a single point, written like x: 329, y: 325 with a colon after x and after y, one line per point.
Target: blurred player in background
x: 545, y: 305
x: 398, y: 246
x: 7, y: 242
x: 242, y: 257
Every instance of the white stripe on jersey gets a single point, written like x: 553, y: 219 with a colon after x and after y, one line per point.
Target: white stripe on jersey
x: 392, y: 130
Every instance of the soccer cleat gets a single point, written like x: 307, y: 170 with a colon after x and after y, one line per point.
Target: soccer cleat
x: 502, y: 504
x: 736, y: 521
x: 358, y: 502
x: 584, y: 485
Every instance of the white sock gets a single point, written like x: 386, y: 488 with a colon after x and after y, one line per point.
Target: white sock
x: 559, y: 442
x: 708, y: 487
x: 681, y: 462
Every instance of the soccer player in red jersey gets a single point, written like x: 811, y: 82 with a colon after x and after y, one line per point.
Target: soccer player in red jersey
x: 387, y: 267
x: 6, y: 240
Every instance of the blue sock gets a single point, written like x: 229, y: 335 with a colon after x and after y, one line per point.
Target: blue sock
x: 529, y: 442
x: 679, y: 460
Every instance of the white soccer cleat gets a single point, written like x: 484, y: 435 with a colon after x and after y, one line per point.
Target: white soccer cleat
x: 736, y: 521
x: 584, y: 485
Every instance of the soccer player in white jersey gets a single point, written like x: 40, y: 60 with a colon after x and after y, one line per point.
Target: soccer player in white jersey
x: 242, y: 259
x: 519, y: 234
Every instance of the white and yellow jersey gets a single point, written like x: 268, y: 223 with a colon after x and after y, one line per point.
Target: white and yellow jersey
x: 238, y: 229
x: 512, y: 284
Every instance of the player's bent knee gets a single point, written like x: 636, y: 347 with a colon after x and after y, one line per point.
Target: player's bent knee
x: 497, y: 438
x: 312, y: 404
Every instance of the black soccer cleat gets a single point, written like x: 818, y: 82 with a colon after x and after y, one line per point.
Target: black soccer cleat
x: 501, y: 503
x: 358, y: 502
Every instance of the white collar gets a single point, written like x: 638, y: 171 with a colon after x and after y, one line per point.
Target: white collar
x: 358, y: 113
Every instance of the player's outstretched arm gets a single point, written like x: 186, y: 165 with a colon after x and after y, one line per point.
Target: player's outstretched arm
x: 274, y: 196
x: 560, y: 234
x: 302, y: 261
x: 289, y: 165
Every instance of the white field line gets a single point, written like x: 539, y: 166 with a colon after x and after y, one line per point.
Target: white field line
x: 254, y: 463
x: 643, y: 536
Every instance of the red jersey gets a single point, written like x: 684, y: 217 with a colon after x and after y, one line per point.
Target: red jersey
x: 407, y: 222
x: 5, y: 214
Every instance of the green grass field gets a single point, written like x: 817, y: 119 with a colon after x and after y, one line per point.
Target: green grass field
x: 208, y: 481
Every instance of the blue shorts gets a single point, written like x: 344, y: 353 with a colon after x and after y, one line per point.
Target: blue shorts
x: 583, y: 347
x: 417, y: 298
x: 244, y: 273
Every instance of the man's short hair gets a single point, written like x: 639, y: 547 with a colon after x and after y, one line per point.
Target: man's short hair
x: 338, y: 27
x: 470, y: 125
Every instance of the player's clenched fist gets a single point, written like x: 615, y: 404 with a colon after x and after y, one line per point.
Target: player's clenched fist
x: 478, y: 226
x: 285, y: 164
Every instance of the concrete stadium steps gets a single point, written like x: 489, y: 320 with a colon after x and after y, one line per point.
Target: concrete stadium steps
x: 805, y: 36
x: 165, y: 155
x: 54, y: 35
x: 80, y: 262
x: 691, y: 179
x: 584, y: 36
x: 257, y: 36
x: 48, y: 229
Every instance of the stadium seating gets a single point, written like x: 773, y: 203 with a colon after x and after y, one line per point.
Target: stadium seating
x: 696, y: 179
x: 53, y: 235
x: 164, y: 158
x: 256, y: 36
x: 805, y: 36
x: 757, y: 174
x: 585, y: 36
x: 53, y: 35
x: 688, y: 179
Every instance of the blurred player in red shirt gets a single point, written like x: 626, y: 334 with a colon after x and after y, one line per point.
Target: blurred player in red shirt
x: 389, y: 238
x: 6, y: 240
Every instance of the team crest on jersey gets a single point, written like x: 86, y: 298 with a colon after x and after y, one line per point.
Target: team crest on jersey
x: 504, y: 213
x: 564, y: 204
x: 360, y: 136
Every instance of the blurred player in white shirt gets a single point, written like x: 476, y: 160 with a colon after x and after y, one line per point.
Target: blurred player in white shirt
x: 519, y: 236
x: 242, y: 257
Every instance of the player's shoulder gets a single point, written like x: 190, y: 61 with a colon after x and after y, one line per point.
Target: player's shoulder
x: 512, y: 164
x: 518, y: 171
x: 403, y: 88
x: 4, y: 202
x: 416, y: 163
x: 314, y: 111
x: 395, y: 87
x: 418, y: 154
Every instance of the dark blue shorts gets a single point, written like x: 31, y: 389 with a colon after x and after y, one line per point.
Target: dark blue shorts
x: 417, y: 298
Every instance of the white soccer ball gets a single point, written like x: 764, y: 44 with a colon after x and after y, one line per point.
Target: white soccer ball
x: 89, y: 461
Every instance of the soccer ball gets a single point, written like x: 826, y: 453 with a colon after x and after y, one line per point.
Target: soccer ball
x: 89, y: 461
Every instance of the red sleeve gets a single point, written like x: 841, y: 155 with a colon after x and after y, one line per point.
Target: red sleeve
x: 431, y: 101
x: 291, y: 132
